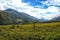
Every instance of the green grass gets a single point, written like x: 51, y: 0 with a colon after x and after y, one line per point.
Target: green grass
x: 41, y: 31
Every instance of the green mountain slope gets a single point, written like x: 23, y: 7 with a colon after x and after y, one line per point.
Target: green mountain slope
x: 6, y: 18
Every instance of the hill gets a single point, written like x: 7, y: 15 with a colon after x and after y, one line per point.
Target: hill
x: 11, y: 16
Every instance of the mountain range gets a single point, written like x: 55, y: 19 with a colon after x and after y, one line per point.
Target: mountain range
x: 10, y: 16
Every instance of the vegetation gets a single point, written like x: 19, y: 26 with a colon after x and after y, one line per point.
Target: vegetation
x: 30, y: 31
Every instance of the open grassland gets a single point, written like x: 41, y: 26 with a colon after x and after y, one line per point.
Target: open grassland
x: 30, y: 31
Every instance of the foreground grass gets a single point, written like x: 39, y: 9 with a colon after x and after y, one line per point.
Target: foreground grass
x: 41, y: 31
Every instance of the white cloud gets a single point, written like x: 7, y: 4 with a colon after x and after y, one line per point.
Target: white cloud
x: 52, y: 2
x: 52, y: 9
x: 36, y: 12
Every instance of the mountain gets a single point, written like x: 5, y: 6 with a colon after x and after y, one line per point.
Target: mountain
x: 56, y: 19
x: 10, y: 16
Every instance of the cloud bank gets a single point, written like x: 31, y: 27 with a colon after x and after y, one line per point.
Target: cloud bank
x: 40, y: 9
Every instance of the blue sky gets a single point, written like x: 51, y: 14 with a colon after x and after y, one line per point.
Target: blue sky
x: 35, y: 2
x: 46, y: 9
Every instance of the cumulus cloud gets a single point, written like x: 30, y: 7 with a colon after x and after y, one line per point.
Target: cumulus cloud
x: 39, y: 12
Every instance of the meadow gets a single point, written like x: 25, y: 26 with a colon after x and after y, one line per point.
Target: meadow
x: 30, y: 31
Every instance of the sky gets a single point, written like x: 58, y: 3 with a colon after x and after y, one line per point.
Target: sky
x: 42, y: 9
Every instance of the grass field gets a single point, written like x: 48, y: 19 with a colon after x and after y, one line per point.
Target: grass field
x: 30, y: 31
